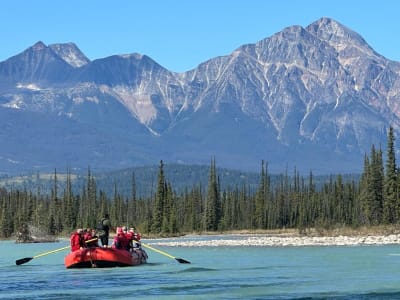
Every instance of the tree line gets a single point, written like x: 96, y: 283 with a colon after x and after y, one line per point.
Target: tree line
x: 294, y: 201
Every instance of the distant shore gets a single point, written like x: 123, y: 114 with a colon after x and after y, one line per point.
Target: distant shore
x: 282, y: 241
x: 343, y: 236
x: 289, y: 238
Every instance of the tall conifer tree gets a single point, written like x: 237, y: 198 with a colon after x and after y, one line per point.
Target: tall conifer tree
x: 259, y: 213
x: 390, y: 205
x: 211, y: 213
x: 158, y: 206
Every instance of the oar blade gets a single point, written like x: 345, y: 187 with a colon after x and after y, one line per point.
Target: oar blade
x: 23, y: 260
x: 182, y: 261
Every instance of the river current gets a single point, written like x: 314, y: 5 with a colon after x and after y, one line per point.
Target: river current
x: 224, y: 272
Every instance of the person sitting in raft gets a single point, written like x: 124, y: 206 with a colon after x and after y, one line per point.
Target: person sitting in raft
x: 134, y: 237
x: 129, y: 236
x: 90, y: 235
x: 87, y: 234
x: 120, y: 240
x: 77, y: 240
x: 116, y: 243
x: 135, y: 234
x: 125, y: 243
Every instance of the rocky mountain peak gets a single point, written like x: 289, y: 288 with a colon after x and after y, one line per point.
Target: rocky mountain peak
x: 336, y: 34
x: 39, y: 46
x: 316, y: 97
x: 71, y: 54
x: 37, y: 64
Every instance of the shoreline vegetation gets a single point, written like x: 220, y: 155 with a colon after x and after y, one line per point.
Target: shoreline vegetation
x: 357, y: 210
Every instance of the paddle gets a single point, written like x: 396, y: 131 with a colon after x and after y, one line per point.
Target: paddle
x: 180, y: 260
x: 27, y: 259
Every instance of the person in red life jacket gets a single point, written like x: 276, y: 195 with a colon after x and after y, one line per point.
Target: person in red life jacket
x: 125, y: 241
x: 135, y: 237
x: 136, y: 234
x: 115, y: 243
x: 120, y: 240
x: 95, y: 242
x: 90, y: 238
x: 129, y: 234
x: 77, y: 240
x: 87, y: 234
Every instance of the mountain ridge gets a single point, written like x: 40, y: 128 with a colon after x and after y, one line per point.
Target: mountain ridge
x: 300, y: 94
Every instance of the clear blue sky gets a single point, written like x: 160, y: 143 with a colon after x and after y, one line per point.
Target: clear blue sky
x: 180, y: 34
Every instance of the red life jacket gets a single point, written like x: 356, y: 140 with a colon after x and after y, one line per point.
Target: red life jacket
x: 136, y: 236
x: 121, y: 241
x: 87, y: 236
x: 76, y: 241
x: 129, y: 235
x: 124, y: 242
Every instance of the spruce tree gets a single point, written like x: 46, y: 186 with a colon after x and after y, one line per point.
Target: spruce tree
x: 259, y: 213
x: 374, y: 192
x: 211, y: 213
x: 132, y: 210
x: 158, y: 205
x: 55, y: 221
x: 68, y: 200
x: 390, y: 205
x: 364, y: 194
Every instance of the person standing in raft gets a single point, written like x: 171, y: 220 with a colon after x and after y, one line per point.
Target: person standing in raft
x: 77, y: 240
x: 104, y: 228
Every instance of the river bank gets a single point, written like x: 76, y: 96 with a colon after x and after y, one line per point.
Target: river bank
x: 279, y: 241
x: 380, y: 235
x: 343, y: 236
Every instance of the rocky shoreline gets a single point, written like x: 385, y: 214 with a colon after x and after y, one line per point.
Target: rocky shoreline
x: 282, y: 241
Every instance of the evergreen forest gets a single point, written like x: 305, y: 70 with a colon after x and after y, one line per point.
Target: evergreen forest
x: 293, y: 201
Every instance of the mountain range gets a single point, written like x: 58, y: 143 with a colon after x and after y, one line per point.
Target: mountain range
x: 313, y: 98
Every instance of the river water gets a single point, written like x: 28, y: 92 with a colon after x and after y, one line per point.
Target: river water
x: 226, y: 272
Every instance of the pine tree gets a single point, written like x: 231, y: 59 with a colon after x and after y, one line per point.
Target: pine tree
x: 91, y: 201
x: 378, y: 180
x: 132, y: 209
x: 211, y: 213
x: 6, y: 223
x: 158, y: 206
x: 172, y: 221
x: 69, y: 211
x: 364, y: 194
x: 165, y: 226
x: 373, y: 187
x: 55, y: 221
x: 391, y: 202
x: 259, y: 213
x: 196, y: 209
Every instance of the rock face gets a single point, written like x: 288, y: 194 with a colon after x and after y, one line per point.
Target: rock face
x: 315, y: 98
x: 29, y: 234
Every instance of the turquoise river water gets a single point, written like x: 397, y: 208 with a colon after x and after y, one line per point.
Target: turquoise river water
x: 231, y: 272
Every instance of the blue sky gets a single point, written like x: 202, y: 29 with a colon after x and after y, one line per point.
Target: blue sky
x: 180, y: 34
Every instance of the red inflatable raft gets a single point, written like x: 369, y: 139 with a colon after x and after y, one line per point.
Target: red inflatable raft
x: 100, y: 257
